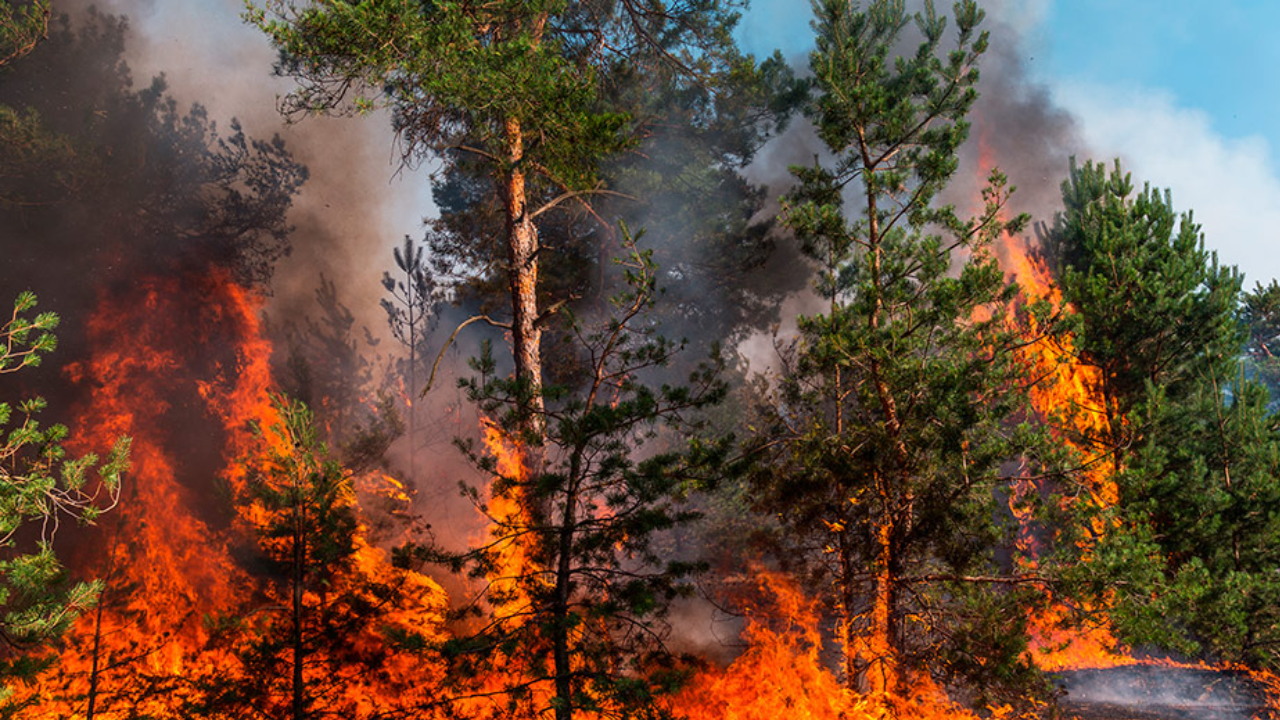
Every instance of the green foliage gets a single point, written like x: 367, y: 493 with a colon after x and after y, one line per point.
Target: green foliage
x: 1189, y: 552
x: 40, y: 487
x: 452, y: 71
x: 583, y: 614
x: 324, y: 628
x: 1260, y: 314
x: 897, y: 410
x: 23, y: 23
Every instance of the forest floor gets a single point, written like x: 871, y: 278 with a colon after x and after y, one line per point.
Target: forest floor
x: 1154, y: 692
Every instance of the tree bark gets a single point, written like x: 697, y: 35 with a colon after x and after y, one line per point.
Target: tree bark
x: 522, y: 277
x: 882, y: 670
x: 299, y: 558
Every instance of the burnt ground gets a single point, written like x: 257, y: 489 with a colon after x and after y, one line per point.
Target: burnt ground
x: 1152, y: 692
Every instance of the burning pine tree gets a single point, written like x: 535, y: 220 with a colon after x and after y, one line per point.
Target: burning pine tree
x: 900, y: 406
x: 241, y: 579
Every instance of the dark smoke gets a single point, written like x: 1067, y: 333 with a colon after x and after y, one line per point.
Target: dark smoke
x: 1030, y: 138
x: 132, y: 215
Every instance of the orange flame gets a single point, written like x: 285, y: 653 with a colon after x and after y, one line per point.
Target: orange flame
x: 782, y: 673
x: 507, y: 515
x: 1070, y: 392
x: 182, y: 366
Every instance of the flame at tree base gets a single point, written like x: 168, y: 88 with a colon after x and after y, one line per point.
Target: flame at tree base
x: 182, y: 366
x: 782, y: 673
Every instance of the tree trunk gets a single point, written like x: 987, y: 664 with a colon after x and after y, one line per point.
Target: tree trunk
x: 560, y: 637
x: 564, y: 592
x: 299, y: 558
x: 522, y: 276
x: 95, y: 666
x: 411, y: 289
x: 882, y: 671
x: 97, y: 651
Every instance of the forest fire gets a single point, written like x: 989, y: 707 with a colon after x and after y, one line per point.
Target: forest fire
x: 181, y: 365
x: 965, y: 480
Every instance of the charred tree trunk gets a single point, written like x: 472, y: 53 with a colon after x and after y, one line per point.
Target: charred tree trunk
x: 299, y: 559
x: 564, y: 592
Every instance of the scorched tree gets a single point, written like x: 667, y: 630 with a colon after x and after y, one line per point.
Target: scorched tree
x: 900, y: 405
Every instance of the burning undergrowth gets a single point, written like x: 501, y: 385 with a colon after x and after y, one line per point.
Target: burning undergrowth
x: 184, y: 226
x: 180, y: 365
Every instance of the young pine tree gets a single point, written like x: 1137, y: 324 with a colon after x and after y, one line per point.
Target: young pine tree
x: 899, y: 406
x: 1193, y: 536
x: 514, y: 87
x: 330, y: 625
x: 40, y: 487
x: 574, y: 597
x: 408, y: 310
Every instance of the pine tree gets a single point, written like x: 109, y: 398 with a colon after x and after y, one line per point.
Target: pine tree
x: 1156, y: 307
x: 41, y: 487
x: 320, y: 639
x: 897, y: 408
x: 514, y: 86
x: 683, y: 182
x: 1187, y: 554
x: 574, y: 598
x: 409, y: 313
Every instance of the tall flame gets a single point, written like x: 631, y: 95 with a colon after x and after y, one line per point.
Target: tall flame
x: 506, y: 516
x: 1067, y: 391
x: 181, y: 365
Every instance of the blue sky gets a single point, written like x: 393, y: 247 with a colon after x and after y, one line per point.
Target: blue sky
x: 1222, y: 58
x: 1187, y: 92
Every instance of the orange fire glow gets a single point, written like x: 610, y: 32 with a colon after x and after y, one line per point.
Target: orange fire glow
x: 506, y: 516
x: 782, y: 673
x: 182, y: 366
x: 1067, y: 393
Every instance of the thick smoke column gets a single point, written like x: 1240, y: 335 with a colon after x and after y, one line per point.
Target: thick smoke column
x: 354, y: 206
x: 1015, y: 120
